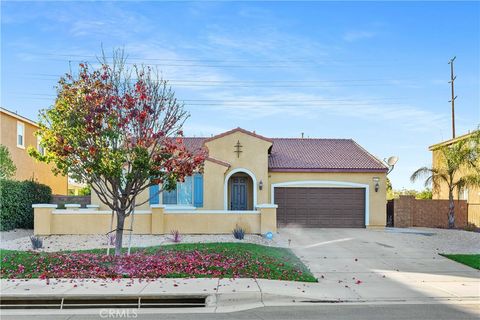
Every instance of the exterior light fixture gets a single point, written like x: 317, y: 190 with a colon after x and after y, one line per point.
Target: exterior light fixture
x: 377, y: 185
x: 260, y: 185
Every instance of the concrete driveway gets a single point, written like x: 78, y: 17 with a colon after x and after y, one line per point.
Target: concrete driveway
x: 389, y: 264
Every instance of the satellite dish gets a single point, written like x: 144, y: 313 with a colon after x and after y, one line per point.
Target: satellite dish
x: 392, y: 161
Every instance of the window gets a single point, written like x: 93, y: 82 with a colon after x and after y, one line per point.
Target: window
x: 187, y: 193
x: 20, y: 135
x: 40, y: 149
x: 182, y: 195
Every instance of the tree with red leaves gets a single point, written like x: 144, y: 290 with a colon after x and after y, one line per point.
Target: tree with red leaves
x: 118, y: 129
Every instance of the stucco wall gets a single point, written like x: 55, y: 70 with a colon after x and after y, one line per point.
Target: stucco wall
x: 377, y: 200
x: 254, y: 157
x: 49, y: 220
x: 27, y: 167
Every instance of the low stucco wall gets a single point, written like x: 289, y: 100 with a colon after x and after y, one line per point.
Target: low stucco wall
x: 48, y: 220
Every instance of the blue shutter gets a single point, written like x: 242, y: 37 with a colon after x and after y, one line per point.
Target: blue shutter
x: 198, y: 190
x: 154, y: 194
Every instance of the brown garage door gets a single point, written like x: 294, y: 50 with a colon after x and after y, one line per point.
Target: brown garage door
x: 321, y: 207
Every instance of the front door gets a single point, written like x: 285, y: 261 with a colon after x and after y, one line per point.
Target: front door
x: 238, y: 197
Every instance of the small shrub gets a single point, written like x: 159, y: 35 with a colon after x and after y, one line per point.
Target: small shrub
x: 239, y: 233
x: 471, y: 227
x: 37, y: 242
x: 176, y: 236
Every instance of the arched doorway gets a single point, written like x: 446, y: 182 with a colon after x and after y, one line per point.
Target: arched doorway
x: 240, y: 190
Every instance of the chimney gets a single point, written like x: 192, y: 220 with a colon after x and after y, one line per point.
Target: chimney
x: 302, y: 135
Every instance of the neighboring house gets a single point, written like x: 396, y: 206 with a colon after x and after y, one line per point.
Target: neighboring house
x: 471, y: 195
x: 314, y: 182
x: 17, y: 133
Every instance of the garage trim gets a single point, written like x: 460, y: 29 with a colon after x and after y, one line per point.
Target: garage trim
x: 325, y: 183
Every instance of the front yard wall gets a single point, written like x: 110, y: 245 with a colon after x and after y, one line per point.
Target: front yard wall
x: 49, y: 220
x: 410, y: 212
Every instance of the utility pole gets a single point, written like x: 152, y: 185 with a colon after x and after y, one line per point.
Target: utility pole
x: 452, y: 80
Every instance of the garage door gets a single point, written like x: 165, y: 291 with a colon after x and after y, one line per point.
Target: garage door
x: 321, y: 207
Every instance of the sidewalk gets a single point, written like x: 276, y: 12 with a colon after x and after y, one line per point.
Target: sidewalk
x: 227, y: 295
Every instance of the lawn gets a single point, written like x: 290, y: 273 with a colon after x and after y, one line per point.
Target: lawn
x: 471, y: 260
x: 210, y: 260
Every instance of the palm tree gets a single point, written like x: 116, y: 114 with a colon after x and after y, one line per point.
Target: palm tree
x: 459, y: 168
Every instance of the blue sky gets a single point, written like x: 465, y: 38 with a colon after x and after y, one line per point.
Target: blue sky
x: 376, y: 72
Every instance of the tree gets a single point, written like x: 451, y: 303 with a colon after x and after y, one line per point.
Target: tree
x: 7, y: 167
x: 118, y: 129
x: 459, y: 168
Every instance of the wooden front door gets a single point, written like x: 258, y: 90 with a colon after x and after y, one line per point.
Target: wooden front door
x: 238, y: 196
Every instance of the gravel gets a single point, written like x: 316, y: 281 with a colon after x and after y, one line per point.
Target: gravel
x: 20, y: 240
x: 429, y: 239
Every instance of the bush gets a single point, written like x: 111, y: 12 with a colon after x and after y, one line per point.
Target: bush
x: 16, y: 199
x: 239, y: 233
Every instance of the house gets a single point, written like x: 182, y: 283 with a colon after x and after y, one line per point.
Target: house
x: 471, y: 195
x: 17, y: 134
x: 314, y: 182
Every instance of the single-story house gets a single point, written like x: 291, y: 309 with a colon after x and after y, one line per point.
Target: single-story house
x: 314, y: 182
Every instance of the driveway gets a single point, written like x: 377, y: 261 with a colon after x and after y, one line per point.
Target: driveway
x: 389, y: 264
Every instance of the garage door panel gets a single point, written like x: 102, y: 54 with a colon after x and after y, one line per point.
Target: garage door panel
x: 321, y: 207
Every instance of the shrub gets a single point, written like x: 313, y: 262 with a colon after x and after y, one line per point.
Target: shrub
x: 239, y: 233
x: 176, y: 236
x: 471, y: 227
x: 16, y: 199
x: 37, y: 242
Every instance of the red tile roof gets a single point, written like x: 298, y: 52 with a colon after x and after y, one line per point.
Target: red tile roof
x: 321, y: 155
x: 313, y: 155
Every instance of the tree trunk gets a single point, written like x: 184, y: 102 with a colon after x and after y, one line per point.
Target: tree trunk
x: 119, y: 233
x: 451, y: 211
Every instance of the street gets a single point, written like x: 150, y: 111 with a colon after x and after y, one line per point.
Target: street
x: 334, y: 312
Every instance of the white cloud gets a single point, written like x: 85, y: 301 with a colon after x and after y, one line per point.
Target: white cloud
x: 352, y: 36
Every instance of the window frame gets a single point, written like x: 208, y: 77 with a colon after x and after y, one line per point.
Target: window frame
x: 22, y: 125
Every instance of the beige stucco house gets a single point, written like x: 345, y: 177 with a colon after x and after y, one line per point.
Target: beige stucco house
x: 471, y: 195
x: 18, y: 134
x: 314, y: 183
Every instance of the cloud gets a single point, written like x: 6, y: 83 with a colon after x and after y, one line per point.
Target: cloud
x: 352, y: 36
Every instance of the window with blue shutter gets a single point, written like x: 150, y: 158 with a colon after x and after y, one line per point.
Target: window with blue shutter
x: 154, y: 199
x: 198, y: 190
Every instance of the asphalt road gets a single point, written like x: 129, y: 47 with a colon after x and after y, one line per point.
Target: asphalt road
x: 314, y: 312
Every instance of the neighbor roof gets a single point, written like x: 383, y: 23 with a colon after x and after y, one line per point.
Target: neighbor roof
x: 312, y: 155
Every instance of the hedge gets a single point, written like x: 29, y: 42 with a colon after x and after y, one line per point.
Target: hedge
x: 16, y: 199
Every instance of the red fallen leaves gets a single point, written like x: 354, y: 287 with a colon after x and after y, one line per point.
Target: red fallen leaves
x: 194, y: 263
x: 358, y: 282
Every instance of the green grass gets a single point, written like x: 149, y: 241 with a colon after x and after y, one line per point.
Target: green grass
x: 471, y: 260
x: 281, y: 261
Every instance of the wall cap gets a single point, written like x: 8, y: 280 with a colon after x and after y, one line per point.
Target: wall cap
x: 44, y: 205
x: 72, y: 205
x: 157, y: 206
x: 267, y: 206
x: 225, y: 212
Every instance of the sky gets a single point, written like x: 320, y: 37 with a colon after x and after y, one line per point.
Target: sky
x: 376, y: 72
